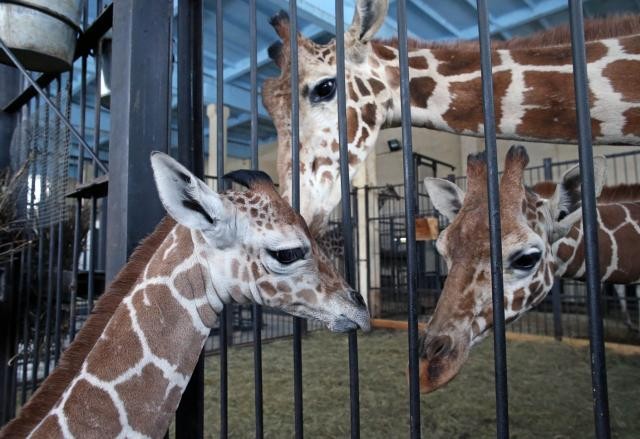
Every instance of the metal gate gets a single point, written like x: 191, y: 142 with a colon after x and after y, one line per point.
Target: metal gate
x: 62, y: 263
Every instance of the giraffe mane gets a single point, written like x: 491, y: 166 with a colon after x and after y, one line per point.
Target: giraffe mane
x: 594, y: 29
x: 55, y: 384
x: 610, y: 194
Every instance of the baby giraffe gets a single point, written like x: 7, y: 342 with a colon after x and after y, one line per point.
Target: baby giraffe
x: 541, y: 239
x: 124, y: 374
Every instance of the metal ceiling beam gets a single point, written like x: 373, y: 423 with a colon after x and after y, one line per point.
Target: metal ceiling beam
x: 543, y: 21
x: 439, y: 19
x: 520, y: 16
x: 492, y: 20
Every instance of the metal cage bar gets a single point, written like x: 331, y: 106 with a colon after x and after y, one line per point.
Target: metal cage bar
x: 190, y: 413
x: 590, y: 222
x: 410, y: 208
x: 256, y: 308
x: 500, y: 348
x: 346, y: 223
x: 295, y: 202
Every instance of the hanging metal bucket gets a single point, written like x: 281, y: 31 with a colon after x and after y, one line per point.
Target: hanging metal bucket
x: 41, y: 33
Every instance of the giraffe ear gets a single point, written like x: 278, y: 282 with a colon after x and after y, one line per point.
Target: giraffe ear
x: 567, y: 196
x: 187, y: 198
x: 446, y: 196
x: 368, y: 17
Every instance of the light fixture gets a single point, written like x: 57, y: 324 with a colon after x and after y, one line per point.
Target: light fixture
x: 394, y: 145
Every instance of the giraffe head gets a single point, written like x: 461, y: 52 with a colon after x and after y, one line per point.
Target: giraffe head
x: 256, y: 247
x: 366, y: 95
x: 464, y: 313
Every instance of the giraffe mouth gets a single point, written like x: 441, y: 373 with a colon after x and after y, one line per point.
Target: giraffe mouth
x: 343, y: 324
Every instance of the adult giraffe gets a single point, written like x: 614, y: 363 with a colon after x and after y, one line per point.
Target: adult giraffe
x: 533, y: 88
x: 541, y: 239
x: 124, y: 374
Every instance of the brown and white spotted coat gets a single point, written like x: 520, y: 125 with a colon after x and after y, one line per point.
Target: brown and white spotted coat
x: 532, y: 84
x: 125, y: 373
x: 618, y: 210
x: 464, y: 312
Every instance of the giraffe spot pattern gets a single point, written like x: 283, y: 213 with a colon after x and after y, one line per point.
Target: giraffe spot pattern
x: 94, y: 414
x: 625, y: 78
x: 158, y: 318
x: 151, y: 383
x: 49, y: 428
x: 110, y: 346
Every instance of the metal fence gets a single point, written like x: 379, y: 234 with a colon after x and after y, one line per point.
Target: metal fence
x: 61, y: 287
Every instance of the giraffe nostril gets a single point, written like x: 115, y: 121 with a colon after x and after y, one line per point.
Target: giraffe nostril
x: 357, y: 298
x: 438, y: 347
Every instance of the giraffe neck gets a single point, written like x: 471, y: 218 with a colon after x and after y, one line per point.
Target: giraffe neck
x: 618, y: 241
x: 533, y: 90
x: 132, y: 380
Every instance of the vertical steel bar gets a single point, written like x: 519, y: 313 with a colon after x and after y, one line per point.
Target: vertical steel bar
x: 26, y: 321
x: 190, y: 414
x: 91, y: 238
x: 345, y: 201
x: 19, y: 317
x: 141, y: 78
x: 220, y: 128
x: 556, y: 304
x: 295, y: 202
x: 77, y: 226
x: 590, y: 222
x: 409, y: 205
x: 96, y: 105
x: 47, y: 319
x: 500, y: 351
x: 58, y: 304
x: 257, y: 309
x: 39, y: 276
x: 368, y: 255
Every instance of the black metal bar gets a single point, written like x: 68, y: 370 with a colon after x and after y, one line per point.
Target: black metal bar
x: 190, y: 413
x: 257, y: 309
x: 86, y: 42
x: 58, y: 304
x: 47, y: 318
x: 556, y: 301
x: 500, y: 350
x: 590, y: 222
x: 40, y: 277
x: 91, y: 237
x: 55, y: 109
x: 346, y: 226
x: 141, y: 91
x: 26, y: 321
x: 74, y: 270
x: 10, y: 79
x: 409, y: 203
x: 225, y: 316
x: 18, y: 320
x: 295, y: 202
x: 367, y: 234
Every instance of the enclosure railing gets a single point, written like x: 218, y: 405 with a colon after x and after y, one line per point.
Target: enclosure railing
x: 142, y: 76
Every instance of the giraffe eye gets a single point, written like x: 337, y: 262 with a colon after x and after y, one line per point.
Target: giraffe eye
x: 323, y: 91
x: 288, y: 255
x: 526, y: 260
